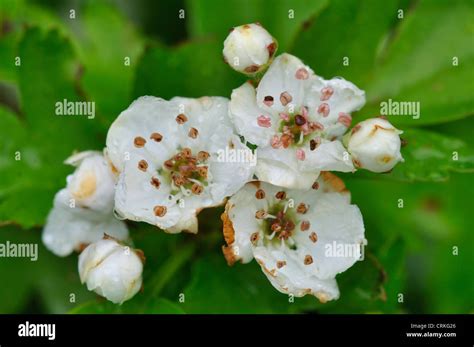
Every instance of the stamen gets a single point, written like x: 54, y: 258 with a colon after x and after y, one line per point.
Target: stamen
x: 284, y: 116
x: 345, y: 119
x: 186, y: 152
x: 302, y: 74
x: 285, y: 98
x: 260, y: 214
x: 156, y: 136
x: 300, y: 154
x: 275, y: 142
x: 313, y: 237
x: 139, y: 142
x: 159, y: 211
x: 181, y: 118
x: 193, y: 133
x: 326, y: 93
x: 168, y: 164
x: 315, y: 185
x: 276, y: 227
x: 142, y: 165
x: 264, y: 121
x: 305, y: 225
x: 268, y: 100
x: 281, y: 195
x: 308, y: 260
x: 300, y: 120
x: 280, y: 264
x: 254, y: 238
x: 314, y: 143
x: 286, y: 140
x: 197, y: 188
x: 323, y: 109
x: 203, y: 156
x: 202, y: 171
x: 302, y: 208
x: 260, y: 194
x: 155, y: 182
x: 314, y: 126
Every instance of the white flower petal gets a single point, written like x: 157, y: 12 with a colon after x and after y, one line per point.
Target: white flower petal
x: 293, y: 279
x: 280, y: 167
x: 345, y: 98
x: 111, y: 270
x: 296, y: 108
x: 281, y: 78
x: 68, y: 229
x: 167, y: 182
x: 233, y: 167
x: 244, y: 113
x: 83, y: 211
x: 92, y: 183
x: 291, y: 233
x: 328, y: 156
x: 145, y: 117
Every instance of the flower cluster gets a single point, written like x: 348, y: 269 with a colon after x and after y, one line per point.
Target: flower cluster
x: 164, y: 162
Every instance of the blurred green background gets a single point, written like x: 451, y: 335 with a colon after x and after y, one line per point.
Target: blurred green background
x: 415, y: 217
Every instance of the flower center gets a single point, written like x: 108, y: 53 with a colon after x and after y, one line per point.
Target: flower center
x: 187, y: 172
x: 279, y: 224
x: 296, y: 129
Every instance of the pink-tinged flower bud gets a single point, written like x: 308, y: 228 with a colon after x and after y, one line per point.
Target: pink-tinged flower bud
x: 375, y: 145
x: 249, y: 48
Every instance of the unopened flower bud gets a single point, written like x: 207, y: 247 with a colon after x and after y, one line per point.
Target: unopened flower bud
x: 375, y: 145
x: 111, y: 270
x: 249, y: 48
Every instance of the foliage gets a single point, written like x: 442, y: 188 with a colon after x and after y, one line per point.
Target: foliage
x: 410, y: 248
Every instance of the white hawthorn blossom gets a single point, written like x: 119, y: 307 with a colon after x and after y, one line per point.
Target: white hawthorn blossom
x: 169, y: 156
x: 375, y: 145
x: 295, y: 235
x: 249, y: 48
x: 111, y: 270
x: 83, y: 211
x: 297, y: 120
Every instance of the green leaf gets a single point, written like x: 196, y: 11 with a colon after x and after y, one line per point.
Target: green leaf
x: 8, y: 53
x: 35, y: 146
x: 283, y: 18
x: 412, y: 229
x: 50, y: 281
x: 109, y: 47
x: 216, y: 287
x: 346, y: 28
x: 418, y: 64
x: 193, y: 69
